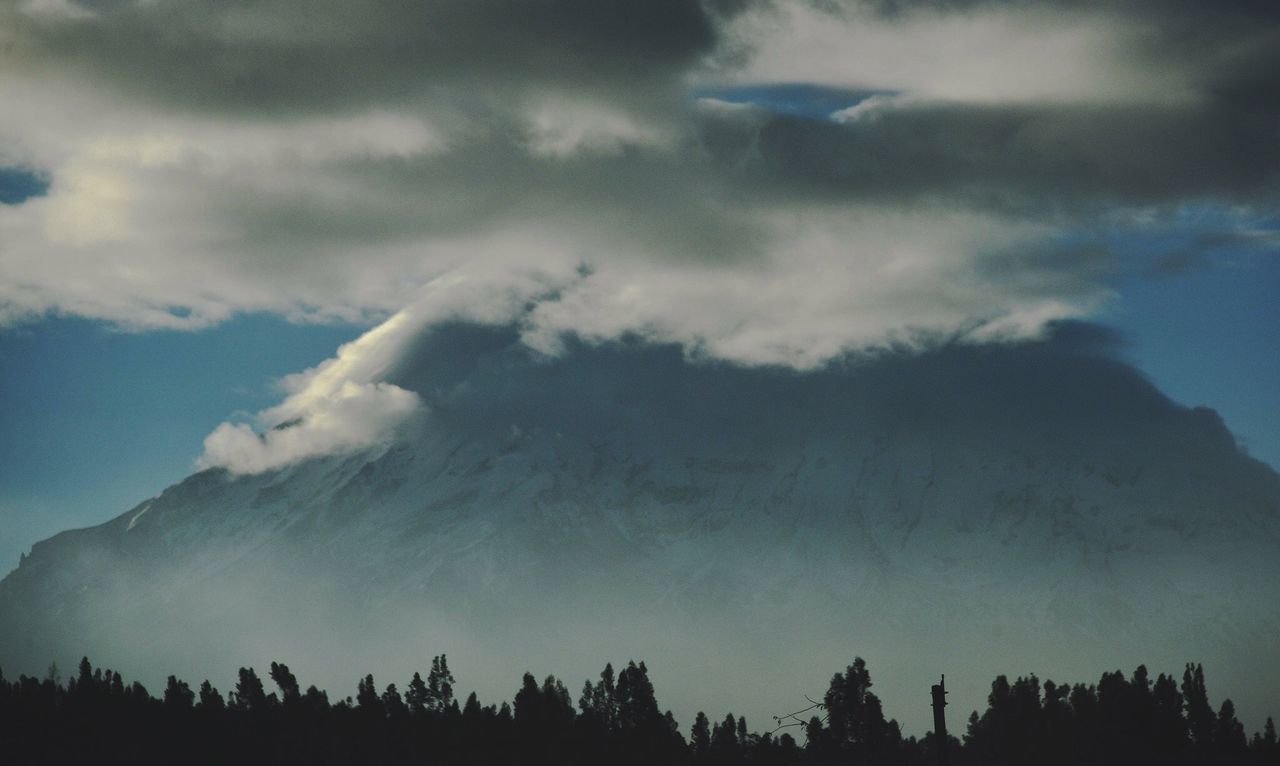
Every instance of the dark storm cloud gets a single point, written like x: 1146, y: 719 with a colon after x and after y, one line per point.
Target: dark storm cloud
x: 285, y: 55
x: 486, y: 180
x: 1217, y: 137
x: 1173, y: 14
x: 1015, y: 156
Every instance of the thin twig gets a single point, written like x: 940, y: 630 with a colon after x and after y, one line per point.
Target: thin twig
x: 794, y: 719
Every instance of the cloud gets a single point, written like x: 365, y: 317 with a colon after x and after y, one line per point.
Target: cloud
x: 352, y: 417
x: 849, y: 277
x: 1000, y: 53
x: 553, y: 160
x: 345, y: 403
x: 563, y: 129
x: 335, y: 406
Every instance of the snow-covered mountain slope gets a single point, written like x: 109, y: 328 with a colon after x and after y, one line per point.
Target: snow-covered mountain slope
x: 969, y: 510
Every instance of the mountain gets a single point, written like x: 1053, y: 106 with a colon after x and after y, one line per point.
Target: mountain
x: 1037, y: 507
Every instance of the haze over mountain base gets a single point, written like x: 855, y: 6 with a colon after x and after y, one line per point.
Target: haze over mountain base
x: 968, y: 510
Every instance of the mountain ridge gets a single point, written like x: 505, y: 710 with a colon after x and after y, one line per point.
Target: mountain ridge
x: 1021, y: 502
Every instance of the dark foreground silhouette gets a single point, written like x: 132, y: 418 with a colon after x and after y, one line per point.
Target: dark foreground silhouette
x: 95, y: 717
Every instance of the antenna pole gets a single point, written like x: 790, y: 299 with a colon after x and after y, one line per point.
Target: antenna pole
x: 940, y: 720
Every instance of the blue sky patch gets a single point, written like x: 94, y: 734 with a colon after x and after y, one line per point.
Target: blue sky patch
x: 1203, y: 318
x: 98, y: 420
x: 17, y: 185
x: 815, y: 102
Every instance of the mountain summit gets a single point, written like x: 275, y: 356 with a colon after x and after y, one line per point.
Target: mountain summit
x: 967, y: 510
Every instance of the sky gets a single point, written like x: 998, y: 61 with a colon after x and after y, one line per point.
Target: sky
x: 200, y: 203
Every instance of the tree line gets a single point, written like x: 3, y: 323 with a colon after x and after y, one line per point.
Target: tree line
x: 96, y: 717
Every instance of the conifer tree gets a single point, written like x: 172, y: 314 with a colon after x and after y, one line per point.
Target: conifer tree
x: 586, y: 700
x: 210, y: 699
x: 416, y: 695
x: 315, y: 700
x: 700, y: 735
x: 1169, y: 728
x: 854, y: 715
x: 471, y: 710
x: 439, y: 685
x: 392, y: 703
x: 367, y: 698
x: 249, y: 694
x: 1228, y: 737
x: 1200, y: 719
x: 673, y: 726
x: 527, y: 700
x: 636, y: 705
x: 178, y: 695
x: 287, y: 683
x: 724, y: 736
x: 556, y: 703
x: 84, y: 682
x: 604, y: 698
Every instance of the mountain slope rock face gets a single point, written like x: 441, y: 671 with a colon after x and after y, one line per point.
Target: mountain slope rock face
x: 973, y: 511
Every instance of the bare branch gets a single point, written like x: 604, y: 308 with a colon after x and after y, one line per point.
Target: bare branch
x: 790, y: 720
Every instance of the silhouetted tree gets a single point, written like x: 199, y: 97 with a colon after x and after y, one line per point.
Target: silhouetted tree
x: 210, y: 699
x: 367, y: 699
x: 439, y: 685
x: 471, y: 710
x: 700, y: 735
x: 1200, y: 719
x: 249, y: 694
x: 392, y: 703
x: 1264, y: 747
x: 84, y: 679
x: 287, y: 682
x: 724, y: 738
x: 636, y: 705
x: 1120, y: 721
x: 178, y: 695
x: 599, y: 702
x: 315, y: 700
x: 1228, y: 737
x: 1168, y: 727
x: 855, y: 720
x: 416, y: 695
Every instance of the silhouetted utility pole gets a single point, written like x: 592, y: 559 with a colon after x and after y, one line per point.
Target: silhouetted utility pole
x: 940, y: 720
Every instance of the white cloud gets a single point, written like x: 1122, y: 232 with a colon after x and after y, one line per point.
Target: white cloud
x: 342, y: 403
x: 352, y: 417
x: 872, y: 107
x: 852, y: 278
x: 335, y: 406
x: 565, y: 127
x: 149, y: 218
x: 998, y: 53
